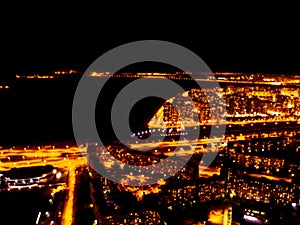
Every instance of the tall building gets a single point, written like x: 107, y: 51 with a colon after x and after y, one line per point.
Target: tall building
x: 171, y: 115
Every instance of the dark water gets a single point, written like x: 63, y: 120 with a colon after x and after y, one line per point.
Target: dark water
x: 35, y: 111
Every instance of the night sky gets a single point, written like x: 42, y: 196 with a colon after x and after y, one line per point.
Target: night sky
x: 219, y: 56
x: 241, y: 49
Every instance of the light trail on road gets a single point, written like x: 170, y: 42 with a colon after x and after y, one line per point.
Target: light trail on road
x: 67, y: 216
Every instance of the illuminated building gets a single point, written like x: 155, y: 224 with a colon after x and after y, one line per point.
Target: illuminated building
x: 171, y: 115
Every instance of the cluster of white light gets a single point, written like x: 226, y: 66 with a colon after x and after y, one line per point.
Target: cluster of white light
x: 141, y: 133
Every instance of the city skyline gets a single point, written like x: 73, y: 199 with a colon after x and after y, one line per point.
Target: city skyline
x: 254, y: 178
x: 223, y: 149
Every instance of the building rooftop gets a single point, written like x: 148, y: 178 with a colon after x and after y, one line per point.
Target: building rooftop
x: 28, y: 172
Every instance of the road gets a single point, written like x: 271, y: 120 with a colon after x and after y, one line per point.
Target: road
x: 39, y: 156
x: 68, y: 215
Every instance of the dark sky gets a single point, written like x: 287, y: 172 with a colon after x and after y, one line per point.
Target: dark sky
x: 275, y: 51
x: 219, y: 54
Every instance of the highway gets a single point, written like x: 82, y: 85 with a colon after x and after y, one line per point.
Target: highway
x: 68, y: 214
x: 67, y: 157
